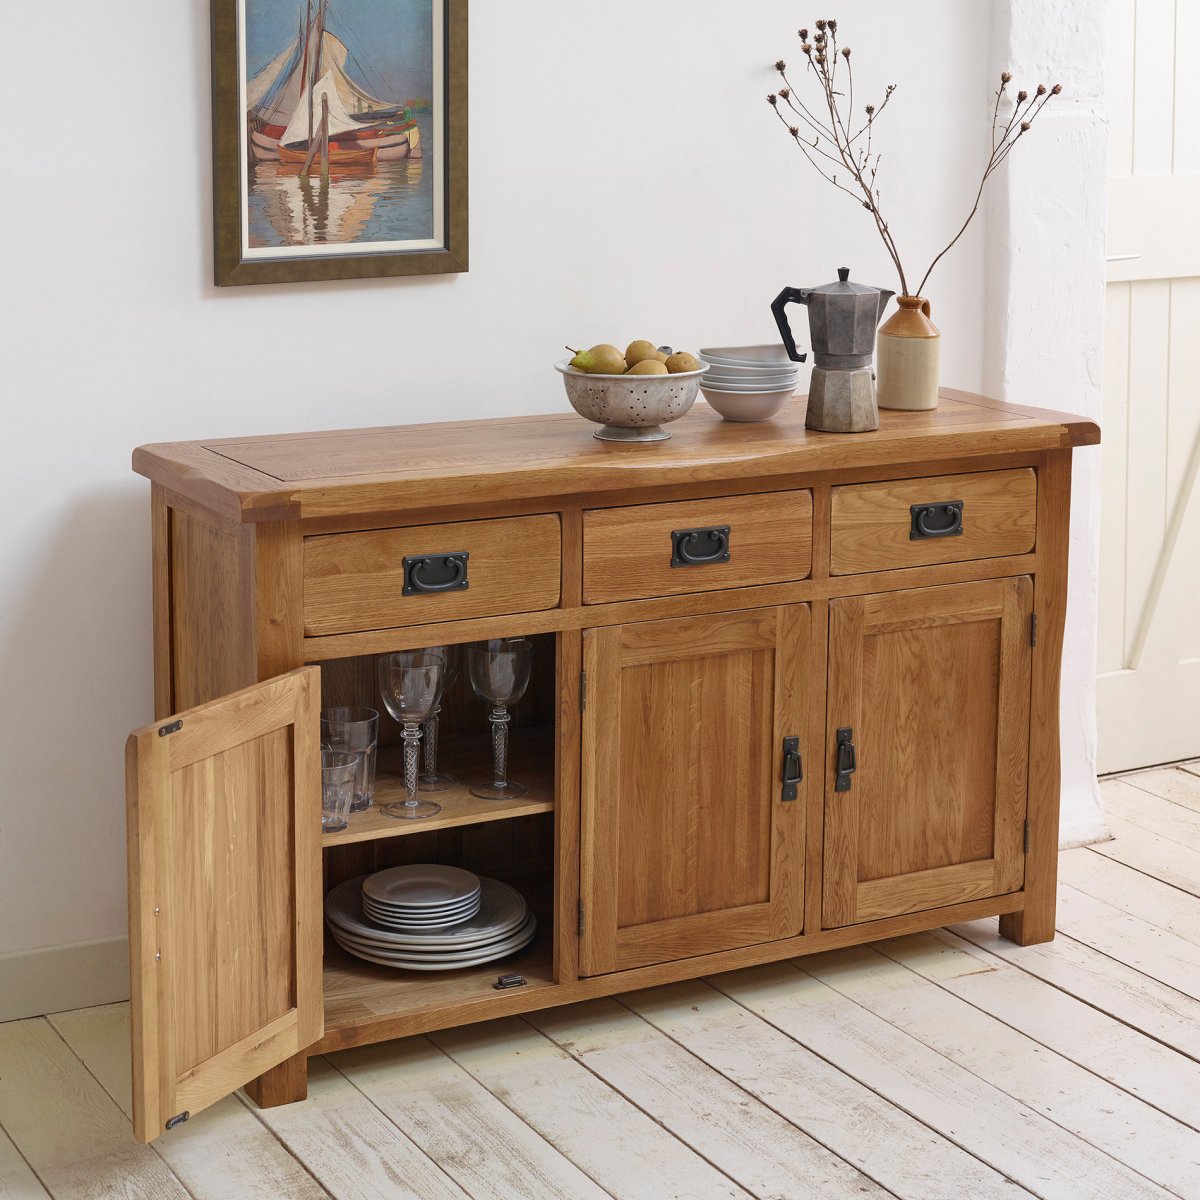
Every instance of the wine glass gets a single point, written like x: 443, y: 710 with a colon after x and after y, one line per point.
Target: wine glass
x: 431, y: 780
x: 499, y: 674
x: 411, y: 685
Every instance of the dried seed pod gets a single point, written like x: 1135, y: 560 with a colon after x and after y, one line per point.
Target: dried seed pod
x: 1025, y: 126
x: 804, y: 35
x: 1056, y: 89
x: 807, y: 48
x: 784, y: 93
x: 845, y: 51
x: 1006, y: 77
x: 772, y: 100
x: 821, y: 23
x: 780, y: 65
x: 1022, y: 96
x: 870, y: 110
x: 1041, y: 89
x: 794, y: 130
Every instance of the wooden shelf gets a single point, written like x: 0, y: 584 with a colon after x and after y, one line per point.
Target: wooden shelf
x: 534, y: 768
x: 367, y: 1003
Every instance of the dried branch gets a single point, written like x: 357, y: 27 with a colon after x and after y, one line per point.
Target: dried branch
x: 828, y: 135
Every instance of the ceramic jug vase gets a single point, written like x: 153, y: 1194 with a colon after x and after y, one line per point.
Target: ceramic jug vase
x: 906, y: 357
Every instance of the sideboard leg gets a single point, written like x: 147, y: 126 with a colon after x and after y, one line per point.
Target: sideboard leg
x: 1036, y: 923
x: 284, y: 1084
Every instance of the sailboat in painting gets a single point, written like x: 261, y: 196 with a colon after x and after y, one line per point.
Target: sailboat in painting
x: 304, y: 109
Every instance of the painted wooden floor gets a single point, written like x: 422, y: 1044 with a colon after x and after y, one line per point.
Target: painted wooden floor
x: 943, y: 1066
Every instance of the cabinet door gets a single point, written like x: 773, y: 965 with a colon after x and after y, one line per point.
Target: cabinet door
x: 934, y: 686
x: 690, y: 842
x: 223, y: 808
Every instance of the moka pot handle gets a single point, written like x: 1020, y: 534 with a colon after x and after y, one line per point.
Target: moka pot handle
x: 789, y: 295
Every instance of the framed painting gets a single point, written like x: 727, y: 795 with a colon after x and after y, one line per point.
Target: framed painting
x: 339, y: 139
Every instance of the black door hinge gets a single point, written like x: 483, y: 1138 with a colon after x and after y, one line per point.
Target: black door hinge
x: 178, y: 1119
x: 582, y: 690
x: 1033, y: 629
x: 580, y: 916
x: 1026, y: 837
x: 174, y: 727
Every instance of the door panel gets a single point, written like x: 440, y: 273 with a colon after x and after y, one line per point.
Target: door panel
x: 934, y: 684
x: 223, y: 806
x: 688, y: 845
x: 1149, y: 641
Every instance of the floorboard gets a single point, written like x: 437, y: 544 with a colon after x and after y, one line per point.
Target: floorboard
x: 939, y: 1066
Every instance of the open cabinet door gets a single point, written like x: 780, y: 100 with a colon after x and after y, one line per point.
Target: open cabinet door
x: 223, y: 809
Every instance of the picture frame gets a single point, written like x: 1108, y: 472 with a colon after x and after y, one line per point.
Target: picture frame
x: 376, y: 185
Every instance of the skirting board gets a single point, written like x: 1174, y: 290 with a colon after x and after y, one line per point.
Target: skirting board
x: 78, y: 975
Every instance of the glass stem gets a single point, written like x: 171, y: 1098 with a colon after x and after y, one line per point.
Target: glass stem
x: 500, y: 720
x: 412, y: 751
x: 430, y: 731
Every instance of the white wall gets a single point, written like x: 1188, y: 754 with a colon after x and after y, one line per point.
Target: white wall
x: 627, y: 179
x: 1045, y: 318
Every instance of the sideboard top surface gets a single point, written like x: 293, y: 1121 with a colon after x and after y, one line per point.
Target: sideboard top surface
x: 410, y: 467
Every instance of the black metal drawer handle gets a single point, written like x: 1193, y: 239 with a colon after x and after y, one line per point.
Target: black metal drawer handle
x: 847, y: 760
x: 698, y: 547
x: 944, y: 519
x: 427, y: 574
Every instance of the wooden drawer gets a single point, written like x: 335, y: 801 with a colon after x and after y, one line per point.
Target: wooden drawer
x: 880, y: 526
x: 356, y: 581
x: 628, y: 552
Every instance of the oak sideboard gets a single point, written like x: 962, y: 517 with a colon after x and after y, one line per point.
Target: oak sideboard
x: 790, y: 691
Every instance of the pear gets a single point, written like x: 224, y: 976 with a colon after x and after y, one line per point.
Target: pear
x: 641, y: 350
x: 681, y: 360
x: 647, y: 366
x: 602, y: 359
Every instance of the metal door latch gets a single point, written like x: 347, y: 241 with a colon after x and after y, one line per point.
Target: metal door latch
x: 509, y: 981
x: 847, y: 762
x: 793, y: 767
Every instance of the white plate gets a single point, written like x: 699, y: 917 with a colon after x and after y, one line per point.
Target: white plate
x: 765, y: 381
x: 422, y: 914
x: 501, y: 950
x: 736, y: 389
x: 442, y: 940
x: 421, y: 886
x: 436, y: 953
x: 343, y: 909
x: 419, y: 927
x: 772, y: 354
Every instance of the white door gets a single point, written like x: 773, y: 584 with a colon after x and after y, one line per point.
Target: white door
x: 1149, y: 687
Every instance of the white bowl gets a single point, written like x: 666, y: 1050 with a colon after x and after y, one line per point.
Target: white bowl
x: 630, y: 408
x: 760, y: 377
x: 784, y: 385
x: 746, y: 407
x: 773, y: 355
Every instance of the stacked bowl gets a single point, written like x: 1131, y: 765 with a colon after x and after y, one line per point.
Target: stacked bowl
x: 748, y: 383
x: 427, y: 917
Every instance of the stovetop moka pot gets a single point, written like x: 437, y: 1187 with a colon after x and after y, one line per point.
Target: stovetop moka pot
x: 842, y: 318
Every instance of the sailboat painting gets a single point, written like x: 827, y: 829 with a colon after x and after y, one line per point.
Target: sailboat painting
x: 344, y: 132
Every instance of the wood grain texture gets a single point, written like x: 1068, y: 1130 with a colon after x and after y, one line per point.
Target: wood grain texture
x: 212, y: 609
x: 627, y: 551
x: 224, y: 873
x: 423, y: 466
x: 1036, y: 921
x: 160, y: 600
x: 872, y: 522
x: 687, y: 847
x: 935, y: 685
x: 354, y: 581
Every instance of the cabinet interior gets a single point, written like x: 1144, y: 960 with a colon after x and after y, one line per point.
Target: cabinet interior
x: 512, y: 840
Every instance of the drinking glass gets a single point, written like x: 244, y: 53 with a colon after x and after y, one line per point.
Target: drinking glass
x: 411, y: 685
x: 338, y: 772
x: 499, y: 674
x: 432, y: 780
x: 356, y: 731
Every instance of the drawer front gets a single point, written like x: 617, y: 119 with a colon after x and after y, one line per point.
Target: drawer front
x: 648, y: 550
x: 943, y: 518
x: 423, y: 573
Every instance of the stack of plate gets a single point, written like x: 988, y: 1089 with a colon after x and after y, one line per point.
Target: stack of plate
x: 428, y: 918
x: 748, y: 383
